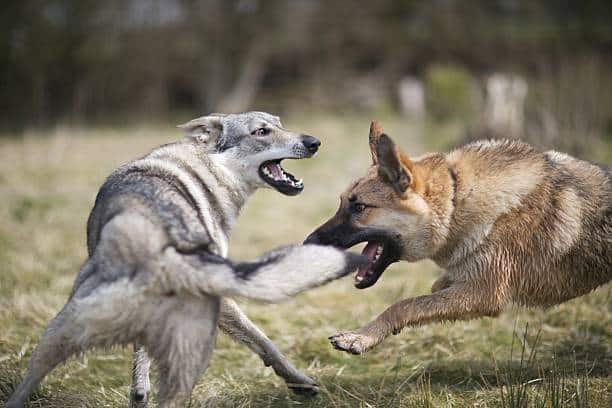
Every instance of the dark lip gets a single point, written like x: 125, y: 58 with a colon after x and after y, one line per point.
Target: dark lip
x: 280, y: 186
x: 391, y: 253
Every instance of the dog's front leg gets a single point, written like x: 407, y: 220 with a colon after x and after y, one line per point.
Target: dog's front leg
x: 139, y: 392
x: 459, y: 301
x: 237, y: 325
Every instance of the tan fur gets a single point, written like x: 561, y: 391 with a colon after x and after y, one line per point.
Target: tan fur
x: 506, y: 222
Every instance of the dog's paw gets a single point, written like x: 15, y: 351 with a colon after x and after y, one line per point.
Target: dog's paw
x: 304, y: 389
x: 302, y: 385
x: 138, y: 399
x: 352, y: 342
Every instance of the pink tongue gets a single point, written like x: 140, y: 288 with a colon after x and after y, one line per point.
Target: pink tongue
x: 369, y: 251
x: 275, y: 170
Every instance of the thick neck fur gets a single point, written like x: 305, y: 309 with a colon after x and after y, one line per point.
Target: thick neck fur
x: 219, y: 172
x: 438, y: 189
x: 487, y: 185
x: 225, y: 171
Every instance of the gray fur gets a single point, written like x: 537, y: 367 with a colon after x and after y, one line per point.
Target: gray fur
x: 157, y: 276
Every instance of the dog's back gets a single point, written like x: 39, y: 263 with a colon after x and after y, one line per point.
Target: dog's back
x: 544, y: 219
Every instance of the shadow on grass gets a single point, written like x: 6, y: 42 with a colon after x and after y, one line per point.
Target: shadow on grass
x: 42, y: 397
x: 400, y: 385
x: 553, y: 370
x: 430, y: 385
x: 580, y: 353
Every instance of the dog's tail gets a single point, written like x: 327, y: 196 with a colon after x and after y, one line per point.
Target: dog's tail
x: 273, y: 277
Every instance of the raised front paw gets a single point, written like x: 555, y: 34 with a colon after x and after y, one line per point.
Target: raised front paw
x: 351, y: 342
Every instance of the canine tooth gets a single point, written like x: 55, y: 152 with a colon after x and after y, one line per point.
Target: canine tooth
x: 358, y: 278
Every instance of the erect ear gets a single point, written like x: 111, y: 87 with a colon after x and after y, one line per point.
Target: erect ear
x: 375, y: 132
x: 205, y: 129
x: 394, y: 167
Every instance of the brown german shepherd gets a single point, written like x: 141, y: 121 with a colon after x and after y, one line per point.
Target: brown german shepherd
x: 506, y: 222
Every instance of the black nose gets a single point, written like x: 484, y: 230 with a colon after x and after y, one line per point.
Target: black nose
x: 311, y: 143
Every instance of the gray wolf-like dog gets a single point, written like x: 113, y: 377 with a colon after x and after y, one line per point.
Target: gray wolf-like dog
x: 508, y: 224
x: 157, y: 275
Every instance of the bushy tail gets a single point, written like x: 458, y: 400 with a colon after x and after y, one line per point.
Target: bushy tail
x: 273, y: 277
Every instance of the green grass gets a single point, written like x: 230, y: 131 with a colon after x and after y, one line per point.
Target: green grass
x: 48, y: 184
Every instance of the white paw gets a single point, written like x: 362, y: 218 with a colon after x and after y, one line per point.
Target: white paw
x: 352, y: 342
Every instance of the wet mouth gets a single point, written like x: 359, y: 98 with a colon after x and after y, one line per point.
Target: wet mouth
x: 380, y: 256
x: 278, y: 178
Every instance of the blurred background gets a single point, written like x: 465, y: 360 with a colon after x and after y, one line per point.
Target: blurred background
x: 88, y: 85
x: 536, y: 67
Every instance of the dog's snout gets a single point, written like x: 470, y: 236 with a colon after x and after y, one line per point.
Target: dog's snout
x: 311, y: 143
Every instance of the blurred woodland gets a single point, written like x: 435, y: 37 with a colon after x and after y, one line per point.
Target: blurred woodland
x: 88, y: 62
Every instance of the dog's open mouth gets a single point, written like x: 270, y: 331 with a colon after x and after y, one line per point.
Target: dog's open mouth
x: 273, y: 174
x: 380, y: 256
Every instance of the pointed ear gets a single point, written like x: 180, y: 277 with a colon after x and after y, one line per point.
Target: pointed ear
x: 205, y: 129
x: 375, y: 132
x: 393, y: 165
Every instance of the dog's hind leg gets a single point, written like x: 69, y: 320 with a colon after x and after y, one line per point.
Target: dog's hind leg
x: 181, y: 342
x: 237, y: 325
x: 58, y: 343
x: 139, y: 393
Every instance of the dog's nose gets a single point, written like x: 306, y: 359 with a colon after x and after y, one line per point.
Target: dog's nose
x: 311, y: 143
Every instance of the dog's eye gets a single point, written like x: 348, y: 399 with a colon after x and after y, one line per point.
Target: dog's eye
x: 202, y: 130
x: 359, y: 207
x: 261, y: 132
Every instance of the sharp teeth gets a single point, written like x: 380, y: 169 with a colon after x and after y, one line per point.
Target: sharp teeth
x: 358, y: 278
x: 281, y: 175
x: 378, y: 253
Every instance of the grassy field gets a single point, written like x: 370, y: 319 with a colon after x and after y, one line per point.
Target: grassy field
x: 544, y: 358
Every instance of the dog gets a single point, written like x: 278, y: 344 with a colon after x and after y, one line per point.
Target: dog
x: 157, y: 275
x: 507, y: 224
